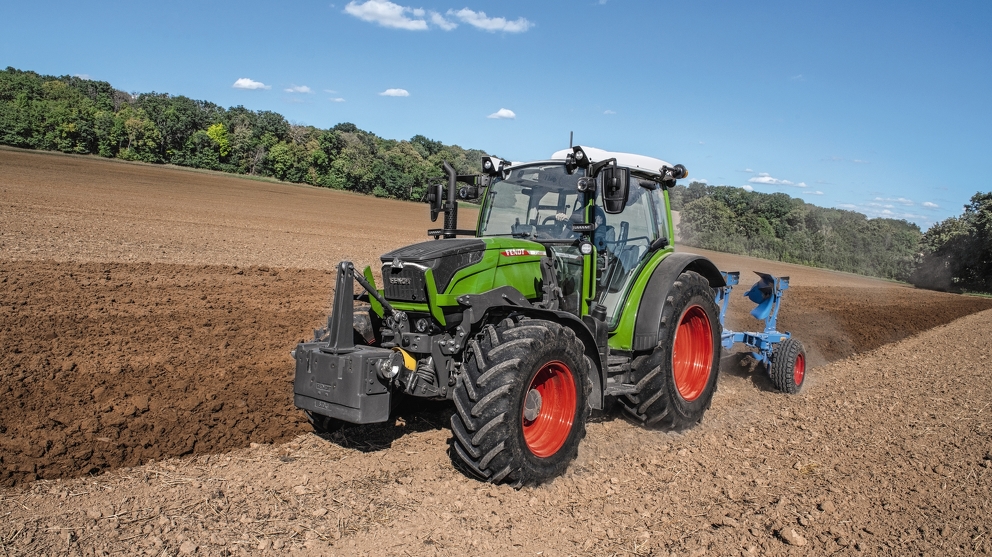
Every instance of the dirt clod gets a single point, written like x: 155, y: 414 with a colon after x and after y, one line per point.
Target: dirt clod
x: 792, y: 537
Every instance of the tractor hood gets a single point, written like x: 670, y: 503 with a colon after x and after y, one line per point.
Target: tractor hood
x: 403, y: 269
x: 425, y: 252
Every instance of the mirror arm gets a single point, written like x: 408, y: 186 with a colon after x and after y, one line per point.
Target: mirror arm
x: 596, y: 167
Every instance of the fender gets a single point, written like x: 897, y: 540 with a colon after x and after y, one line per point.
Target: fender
x: 656, y: 292
x: 494, y: 305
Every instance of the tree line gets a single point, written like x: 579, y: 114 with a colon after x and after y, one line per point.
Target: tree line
x: 955, y: 254
x: 75, y: 115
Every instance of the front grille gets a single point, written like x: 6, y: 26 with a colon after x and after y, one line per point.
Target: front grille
x: 404, y: 285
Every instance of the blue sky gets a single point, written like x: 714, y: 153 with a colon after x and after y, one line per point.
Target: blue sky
x: 880, y: 107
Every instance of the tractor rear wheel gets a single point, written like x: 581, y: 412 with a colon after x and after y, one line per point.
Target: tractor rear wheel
x: 788, y: 368
x: 521, y: 402
x: 676, y: 381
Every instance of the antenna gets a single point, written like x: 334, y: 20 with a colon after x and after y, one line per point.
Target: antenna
x: 570, y: 139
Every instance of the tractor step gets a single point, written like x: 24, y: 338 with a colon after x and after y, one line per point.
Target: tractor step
x: 618, y: 364
x: 616, y: 388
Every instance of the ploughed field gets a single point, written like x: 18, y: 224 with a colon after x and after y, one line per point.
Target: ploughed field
x: 147, y: 313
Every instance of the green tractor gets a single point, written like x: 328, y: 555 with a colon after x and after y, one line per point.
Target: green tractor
x: 566, y: 299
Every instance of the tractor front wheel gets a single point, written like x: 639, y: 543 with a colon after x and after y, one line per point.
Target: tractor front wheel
x: 788, y: 368
x: 676, y: 381
x: 521, y: 402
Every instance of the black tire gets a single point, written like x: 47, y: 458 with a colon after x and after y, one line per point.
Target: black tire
x: 503, y: 431
x: 788, y: 368
x: 323, y: 425
x: 675, y: 390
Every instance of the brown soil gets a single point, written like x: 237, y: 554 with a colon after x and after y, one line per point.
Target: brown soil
x: 147, y: 313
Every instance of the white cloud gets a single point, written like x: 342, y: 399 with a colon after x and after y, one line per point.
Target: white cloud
x: 503, y: 114
x: 83, y: 76
x: 481, y: 21
x: 765, y: 179
x: 336, y: 99
x: 747, y: 188
x: 748, y: 170
x: 245, y: 83
x: 797, y: 77
x: 874, y: 210
x: 609, y: 112
x: 930, y: 205
x: 859, y: 161
x: 299, y: 89
x: 438, y: 19
x: 388, y: 14
x: 818, y: 192
x: 395, y: 93
x: 899, y: 200
x: 331, y: 91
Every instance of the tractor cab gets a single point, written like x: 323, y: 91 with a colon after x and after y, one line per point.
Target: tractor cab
x: 600, y: 222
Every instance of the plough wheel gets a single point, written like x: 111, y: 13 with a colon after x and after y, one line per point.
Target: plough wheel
x: 788, y: 367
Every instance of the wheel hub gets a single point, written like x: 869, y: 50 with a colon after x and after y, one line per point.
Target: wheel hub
x: 532, y: 406
x: 548, y: 412
x: 692, y: 353
x: 799, y: 370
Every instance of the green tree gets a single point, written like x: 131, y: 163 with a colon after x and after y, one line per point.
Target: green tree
x: 956, y: 253
x: 138, y: 137
x: 218, y: 133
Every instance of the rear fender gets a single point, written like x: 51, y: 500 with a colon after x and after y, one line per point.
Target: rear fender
x: 646, y: 333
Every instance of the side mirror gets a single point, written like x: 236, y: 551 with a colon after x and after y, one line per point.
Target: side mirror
x: 435, y: 196
x: 615, y: 183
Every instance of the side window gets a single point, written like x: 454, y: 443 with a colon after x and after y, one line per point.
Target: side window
x: 660, y: 212
x: 637, y: 226
x: 627, y: 237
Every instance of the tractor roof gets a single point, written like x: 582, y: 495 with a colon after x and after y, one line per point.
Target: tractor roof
x: 640, y: 162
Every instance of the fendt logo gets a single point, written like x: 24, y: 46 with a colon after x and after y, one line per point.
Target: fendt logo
x: 400, y: 280
x: 517, y: 252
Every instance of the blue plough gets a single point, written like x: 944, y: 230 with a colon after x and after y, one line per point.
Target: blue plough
x: 783, y: 356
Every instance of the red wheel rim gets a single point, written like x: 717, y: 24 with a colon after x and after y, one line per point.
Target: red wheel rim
x: 799, y: 371
x: 549, y: 429
x: 692, y: 355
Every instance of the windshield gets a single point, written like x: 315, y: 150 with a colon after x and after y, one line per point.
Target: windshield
x: 537, y: 202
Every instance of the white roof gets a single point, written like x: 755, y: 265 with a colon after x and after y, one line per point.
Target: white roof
x: 649, y: 164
